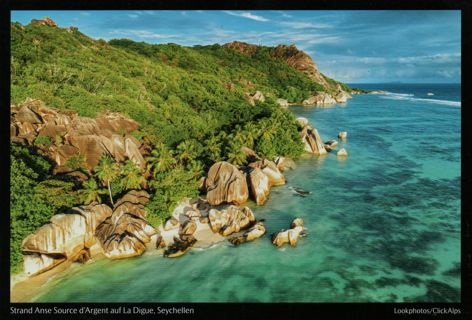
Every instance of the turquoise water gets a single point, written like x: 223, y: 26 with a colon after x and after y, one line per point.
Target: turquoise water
x: 383, y: 224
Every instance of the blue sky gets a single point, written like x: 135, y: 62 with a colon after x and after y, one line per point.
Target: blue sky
x: 350, y: 46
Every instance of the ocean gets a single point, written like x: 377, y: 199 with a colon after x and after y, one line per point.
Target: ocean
x: 383, y: 224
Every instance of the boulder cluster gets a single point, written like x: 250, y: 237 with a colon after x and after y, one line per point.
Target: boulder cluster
x: 227, y: 183
x: 290, y: 236
x: 61, y: 135
x: 120, y: 232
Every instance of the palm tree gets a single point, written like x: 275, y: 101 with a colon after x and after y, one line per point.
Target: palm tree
x: 160, y: 160
x: 213, y: 148
x: 187, y: 151
x: 132, y: 176
x: 107, y: 171
x: 91, y: 192
x: 235, y: 155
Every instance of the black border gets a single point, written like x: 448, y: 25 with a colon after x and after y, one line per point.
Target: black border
x: 247, y: 310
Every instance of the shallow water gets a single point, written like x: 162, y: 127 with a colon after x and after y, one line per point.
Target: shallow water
x: 383, y: 224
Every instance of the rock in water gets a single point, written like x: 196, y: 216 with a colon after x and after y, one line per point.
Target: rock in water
x: 259, y: 183
x: 330, y: 145
x: 342, y: 153
x: 312, y: 140
x: 342, y: 135
x: 269, y: 168
x: 255, y: 232
x: 290, y: 236
x: 125, y: 233
x: 319, y: 99
x: 180, y: 246
x: 64, y: 238
x: 226, y: 184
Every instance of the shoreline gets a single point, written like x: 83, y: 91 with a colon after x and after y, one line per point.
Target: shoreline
x: 23, y: 288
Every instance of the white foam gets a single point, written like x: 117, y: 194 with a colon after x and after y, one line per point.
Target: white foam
x: 409, y: 97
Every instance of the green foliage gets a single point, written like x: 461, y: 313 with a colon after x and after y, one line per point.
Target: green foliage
x: 190, y: 104
x: 91, y: 192
x: 42, y: 141
x: 76, y: 162
x: 168, y: 189
x: 34, y: 197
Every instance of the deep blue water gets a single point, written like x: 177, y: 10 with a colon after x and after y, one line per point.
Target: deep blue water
x: 383, y: 224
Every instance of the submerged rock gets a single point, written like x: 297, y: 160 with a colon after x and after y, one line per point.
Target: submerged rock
x: 226, y: 184
x: 125, y: 233
x: 342, y: 135
x: 342, y: 153
x: 290, y: 236
x: 330, y: 145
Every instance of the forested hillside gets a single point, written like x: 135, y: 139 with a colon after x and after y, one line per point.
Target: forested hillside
x: 191, y: 104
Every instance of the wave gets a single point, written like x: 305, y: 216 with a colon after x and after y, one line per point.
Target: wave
x: 409, y: 97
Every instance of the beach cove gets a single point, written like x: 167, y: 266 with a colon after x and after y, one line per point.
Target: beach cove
x: 383, y: 224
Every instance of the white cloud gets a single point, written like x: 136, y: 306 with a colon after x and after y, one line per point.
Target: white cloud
x: 303, y: 25
x: 145, y: 34
x: 247, y: 15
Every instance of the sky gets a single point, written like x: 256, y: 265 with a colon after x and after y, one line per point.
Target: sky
x: 350, y: 46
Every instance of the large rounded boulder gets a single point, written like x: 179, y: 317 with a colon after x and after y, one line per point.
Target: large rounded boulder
x: 226, y: 184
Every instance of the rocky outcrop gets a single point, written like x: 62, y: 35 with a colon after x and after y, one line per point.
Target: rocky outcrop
x: 260, y: 187
x: 126, y: 232
x: 226, y: 184
x: 282, y: 103
x: 269, y: 168
x: 230, y: 220
x: 242, y: 47
x: 342, y: 135
x: 256, y: 97
x: 290, y: 236
x: 319, y: 99
x: 302, y: 62
x: 312, y: 141
x: 67, y: 236
x: 255, y: 232
x: 342, y: 153
x: 46, y: 21
x: 70, y: 135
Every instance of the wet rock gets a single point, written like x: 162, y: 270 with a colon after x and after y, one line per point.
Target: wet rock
x: 290, y: 236
x: 342, y: 153
x: 255, y: 232
x: 180, y: 246
x: 330, y: 145
x: 342, y: 135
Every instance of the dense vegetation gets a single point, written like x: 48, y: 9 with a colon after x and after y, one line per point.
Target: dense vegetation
x: 190, y: 103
